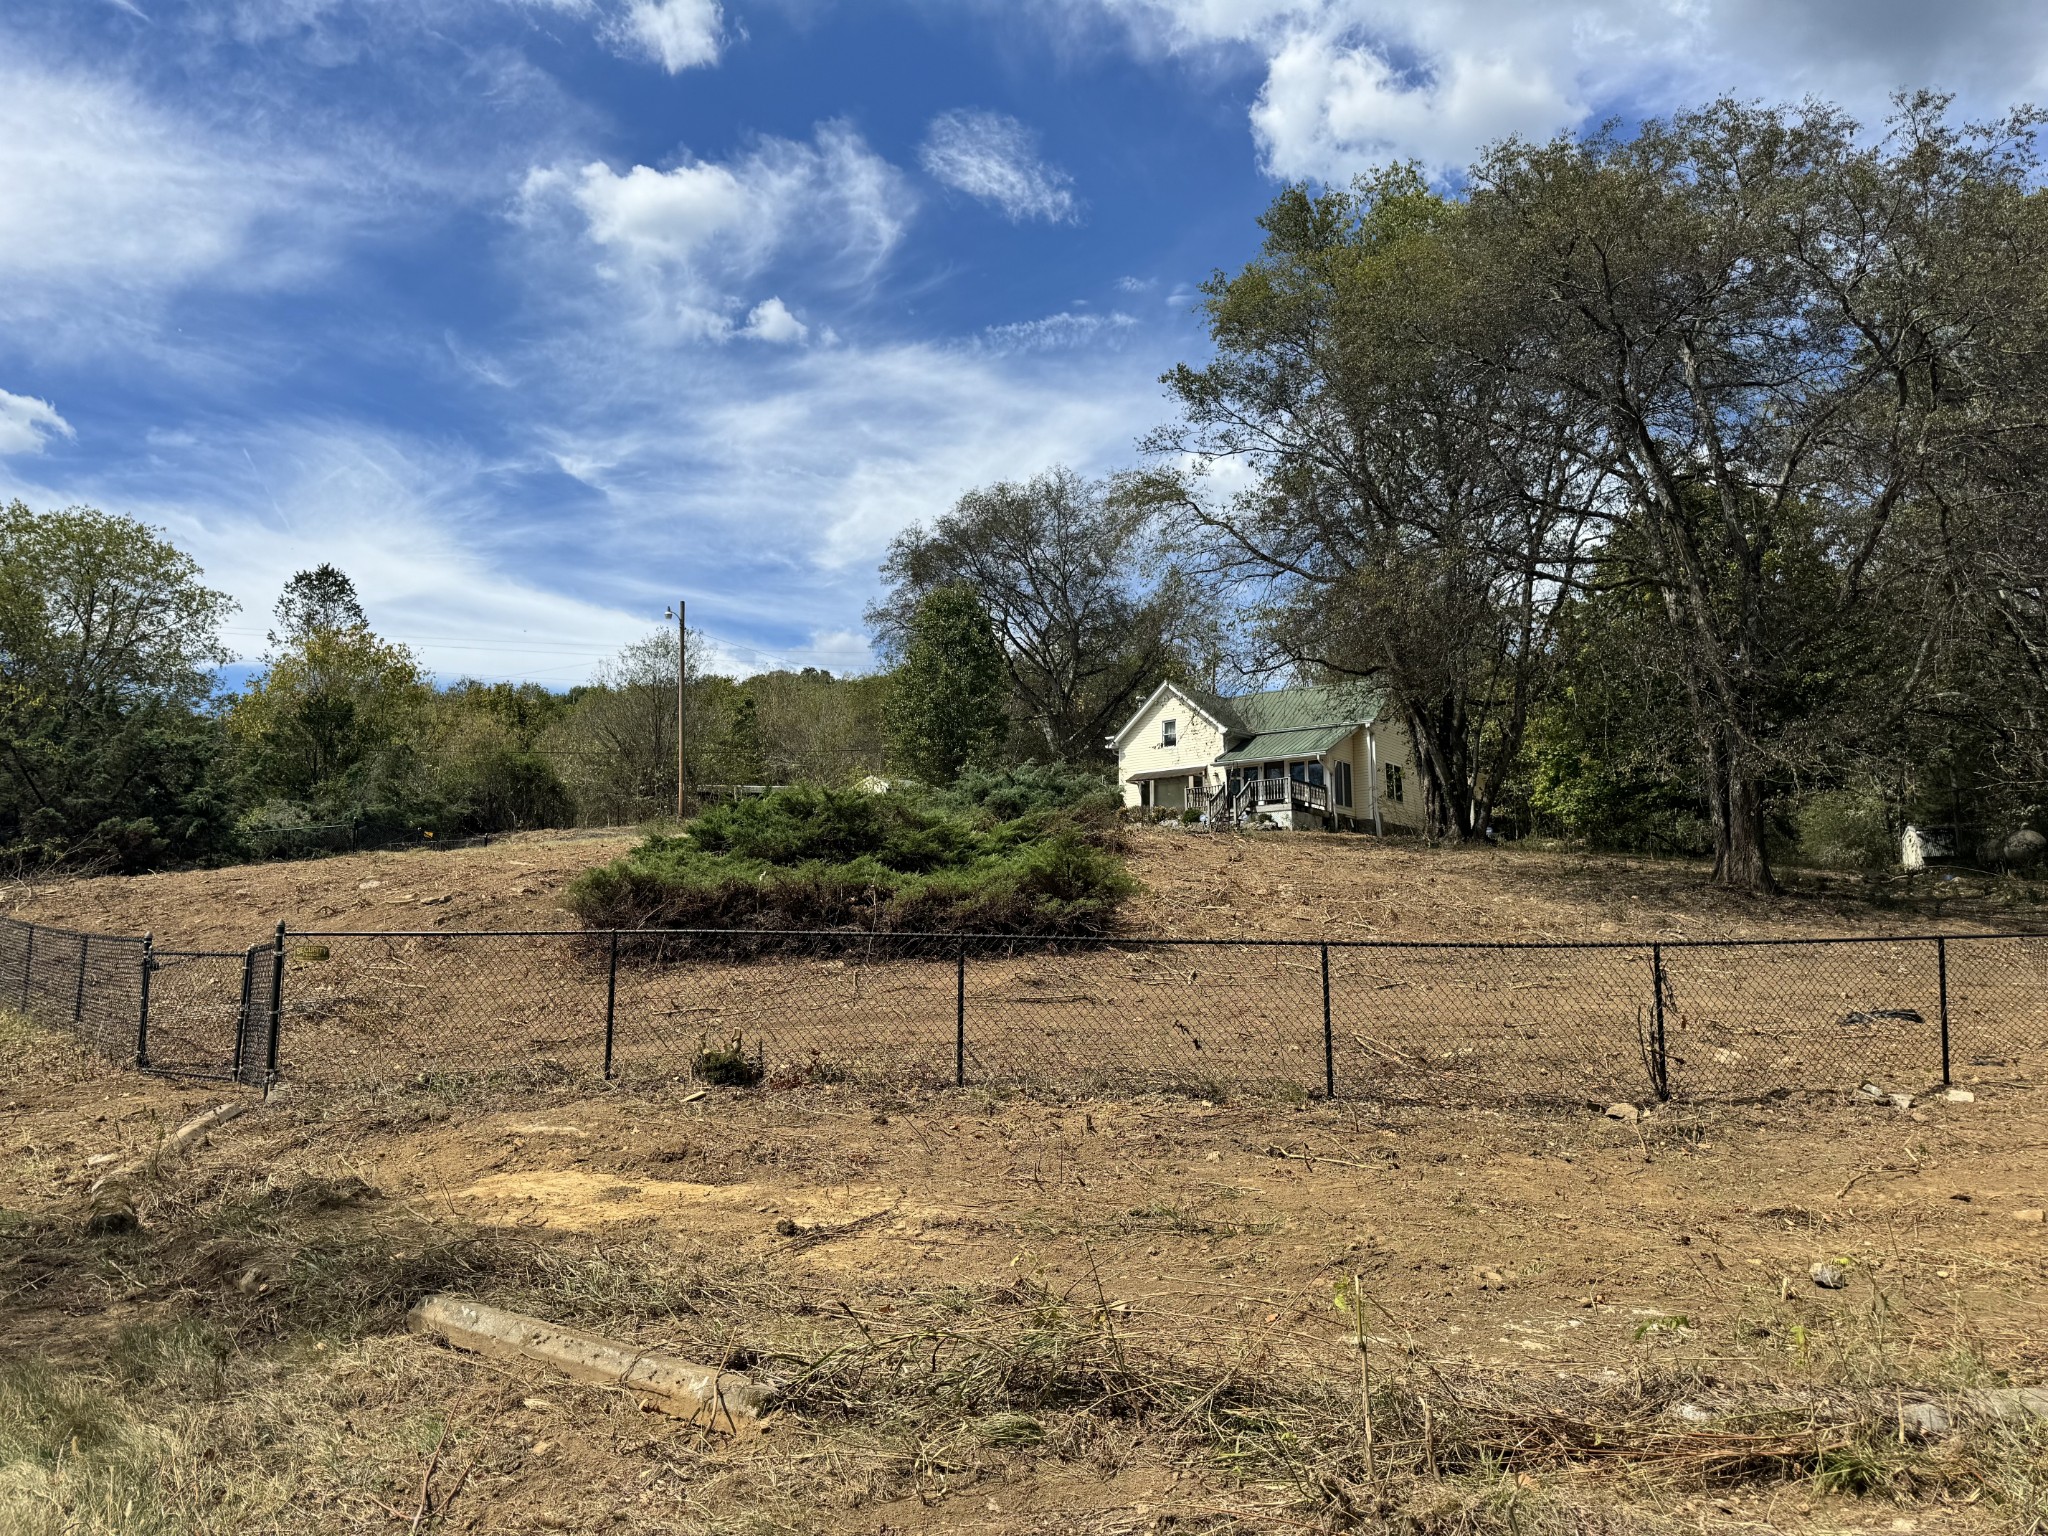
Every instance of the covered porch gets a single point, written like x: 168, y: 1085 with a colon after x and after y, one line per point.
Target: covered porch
x: 1286, y: 777
x: 1173, y: 789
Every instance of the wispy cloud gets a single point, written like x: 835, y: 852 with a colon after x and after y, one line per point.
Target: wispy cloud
x: 27, y: 423
x: 995, y: 158
x: 1066, y: 331
x: 99, y: 188
x: 676, y: 34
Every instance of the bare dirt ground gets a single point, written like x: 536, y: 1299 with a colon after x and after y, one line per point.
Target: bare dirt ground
x: 1272, y: 885
x: 996, y: 1315
x: 1008, y: 1317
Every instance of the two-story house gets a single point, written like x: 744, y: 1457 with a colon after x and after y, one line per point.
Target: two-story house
x: 1307, y: 757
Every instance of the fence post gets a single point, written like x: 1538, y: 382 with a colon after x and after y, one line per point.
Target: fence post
x: 142, y: 1018
x: 1941, y: 970
x: 611, y: 1005
x: 276, y: 1008
x: 960, y: 1018
x: 241, y: 1073
x: 1329, y: 1038
x: 28, y: 968
x: 1660, y: 1063
x: 78, y: 999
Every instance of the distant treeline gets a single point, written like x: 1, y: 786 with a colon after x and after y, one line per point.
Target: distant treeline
x: 121, y: 753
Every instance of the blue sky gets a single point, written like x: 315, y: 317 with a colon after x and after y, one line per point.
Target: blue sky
x: 535, y: 314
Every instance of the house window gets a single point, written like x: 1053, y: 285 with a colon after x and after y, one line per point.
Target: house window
x: 1169, y: 732
x: 1343, y: 784
x: 1394, y: 783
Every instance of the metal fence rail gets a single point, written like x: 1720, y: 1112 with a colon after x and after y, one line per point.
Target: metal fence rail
x: 1444, y: 1022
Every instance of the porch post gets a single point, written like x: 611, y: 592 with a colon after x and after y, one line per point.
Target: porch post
x: 1372, y: 779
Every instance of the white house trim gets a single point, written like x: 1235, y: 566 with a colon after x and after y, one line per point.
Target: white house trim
x: 1116, y: 742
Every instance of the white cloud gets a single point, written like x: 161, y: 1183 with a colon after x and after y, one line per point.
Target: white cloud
x: 676, y: 34
x: 771, y: 321
x: 688, y: 236
x: 1352, y: 82
x: 98, y: 187
x: 995, y: 158
x: 1055, y: 333
x: 26, y: 423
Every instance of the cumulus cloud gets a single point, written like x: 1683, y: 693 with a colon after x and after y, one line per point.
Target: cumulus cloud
x: 27, y: 423
x: 995, y: 158
x: 676, y: 34
x: 1351, y: 82
x: 771, y: 321
x: 694, y: 233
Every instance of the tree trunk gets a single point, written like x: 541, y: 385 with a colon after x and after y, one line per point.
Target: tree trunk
x: 1740, y: 860
x: 1735, y: 799
x: 1441, y: 754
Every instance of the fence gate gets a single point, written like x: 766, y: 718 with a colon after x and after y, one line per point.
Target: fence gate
x: 208, y: 1014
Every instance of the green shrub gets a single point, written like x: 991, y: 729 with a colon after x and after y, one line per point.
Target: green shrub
x: 817, y: 858
x: 1032, y: 788
x: 1847, y: 829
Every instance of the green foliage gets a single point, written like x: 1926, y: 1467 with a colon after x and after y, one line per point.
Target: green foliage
x: 1848, y: 829
x: 108, y: 640
x: 800, y: 858
x: 725, y: 1066
x: 945, y: 706
x: 338, y: 724
x: 1027, y: 788
x: 1085, y: 620
x: 744, y: 752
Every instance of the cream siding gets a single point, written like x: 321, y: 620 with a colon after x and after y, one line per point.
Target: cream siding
x: 1198, y: 746
x: 1391, y: 737
x: 1350, y: 750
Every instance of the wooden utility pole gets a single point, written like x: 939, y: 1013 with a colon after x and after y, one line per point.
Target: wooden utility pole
x: 682, y: 672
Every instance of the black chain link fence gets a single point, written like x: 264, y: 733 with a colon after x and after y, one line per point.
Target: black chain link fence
x: 1447, y: 1023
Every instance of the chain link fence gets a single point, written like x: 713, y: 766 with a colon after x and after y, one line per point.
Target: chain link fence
x: 1440, y: 1023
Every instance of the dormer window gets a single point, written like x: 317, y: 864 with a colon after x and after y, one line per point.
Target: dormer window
x: 1169, y: 732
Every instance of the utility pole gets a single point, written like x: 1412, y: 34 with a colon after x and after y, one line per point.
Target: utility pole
x: 682, y: 670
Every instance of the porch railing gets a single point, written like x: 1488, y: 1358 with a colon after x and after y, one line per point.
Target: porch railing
x: 1294, y: 794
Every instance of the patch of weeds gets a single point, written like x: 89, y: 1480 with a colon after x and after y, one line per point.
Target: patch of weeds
x: 75, y: 1459
x: 725, y: 1066
x: 1010, y: 1429
x: 1159, y: 1216
x: 187, y: 1357
x: 1678, y: 1326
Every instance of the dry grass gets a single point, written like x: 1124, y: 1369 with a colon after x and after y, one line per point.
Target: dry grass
x: 238, y: 1364
x: 993, y: 1315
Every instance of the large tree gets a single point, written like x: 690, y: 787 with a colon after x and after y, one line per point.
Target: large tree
x: 1783, y: 378
x: 944, y: 711
x: 338, y: 722
x: 109, y: 639
x: 1394, y: 509
x: 1086, y: 622
x: 1790, y: 336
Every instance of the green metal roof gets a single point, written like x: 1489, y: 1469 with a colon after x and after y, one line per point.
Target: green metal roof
x: 1294, y: 709
x: 1308, y: 741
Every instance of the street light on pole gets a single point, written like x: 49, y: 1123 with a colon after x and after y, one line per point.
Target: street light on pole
x: 682, y: 667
